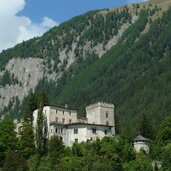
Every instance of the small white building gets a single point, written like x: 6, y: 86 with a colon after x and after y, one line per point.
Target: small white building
x: 141, y: 143
x: 62, y: 121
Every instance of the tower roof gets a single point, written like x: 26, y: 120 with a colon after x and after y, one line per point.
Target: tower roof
x: 141, y: 138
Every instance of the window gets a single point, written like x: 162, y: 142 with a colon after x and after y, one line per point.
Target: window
x: 63, y: 120
x: 56, y: 130
x: 70, y: 121
x: 56, y: 111
x: 76, y: 140
x: 94, y: 130
x: 61, y: 130
x: 107, y: 122
x: 107, y: 114
x: 105, y: 132
x: 75, y: 131
x: 91, y: 139
x: 44, y: 130
x: 88, y: 140
x: 56, y: 119
x: 61, y: 139
x: 70, y: 113
x: 63, y: 112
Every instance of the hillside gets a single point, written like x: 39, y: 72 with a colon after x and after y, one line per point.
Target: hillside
x: 120, y: 56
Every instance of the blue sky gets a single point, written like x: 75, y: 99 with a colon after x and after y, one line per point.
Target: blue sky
x: 62, y: 10
x: 24, y: 19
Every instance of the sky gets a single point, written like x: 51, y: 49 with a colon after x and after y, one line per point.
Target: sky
x: 24, y: 19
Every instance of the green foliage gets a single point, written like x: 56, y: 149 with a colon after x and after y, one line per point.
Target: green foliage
x: 40, y: 137
x: 145, y: 127
x: 9, y: 79
x: 164, y: 134
x: 39, y: 130
x: 134, y: 75
x: 55, y: 150
x: 32, y: 105
x: 166, y: 158
x: 142, y: 163
x: 27, y: 140
x: 8, y: 139
x: 108, y: 154
x: 14, y: 161
x: 161, y: 147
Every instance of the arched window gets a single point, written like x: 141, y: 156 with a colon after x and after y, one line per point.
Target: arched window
x: 107, y: 122
x: 107, y: 114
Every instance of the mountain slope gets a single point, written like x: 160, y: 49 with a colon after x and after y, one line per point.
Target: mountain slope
x: 49, y: 56
x: 134, y: 75
x: 120, y: 56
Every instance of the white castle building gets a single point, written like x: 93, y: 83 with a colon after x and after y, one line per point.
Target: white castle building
x: 62, y: 121
x: 141, y: 142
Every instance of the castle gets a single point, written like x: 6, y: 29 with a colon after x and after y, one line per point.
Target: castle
x: 62, y: 121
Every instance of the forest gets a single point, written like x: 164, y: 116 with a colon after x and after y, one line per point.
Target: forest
x: 30, y: 151
x: 134, y: 75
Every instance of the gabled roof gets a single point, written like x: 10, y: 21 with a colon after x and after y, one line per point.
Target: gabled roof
x: 141, y: 138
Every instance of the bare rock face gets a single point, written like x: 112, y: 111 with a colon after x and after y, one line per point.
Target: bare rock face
x: 29, y: 71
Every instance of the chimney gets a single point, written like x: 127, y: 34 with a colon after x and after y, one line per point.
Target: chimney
x: 66, y: 105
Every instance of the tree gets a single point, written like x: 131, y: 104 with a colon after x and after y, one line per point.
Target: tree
x: 39, y: 130
x: 43, y: 98
x: 141, y: 163
x: 14, y: 161
x: 31, y: 106
x: 166, y: 157
x: 144, y: 127
x: 27, y: 139
x: 164, y: 133
x: 8, y: 138
x: 55, y: 150
x: 117, y: 124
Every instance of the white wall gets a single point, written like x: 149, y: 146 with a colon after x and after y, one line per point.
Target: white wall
x: 143, y: 145
x: 63, y: 113
x: 96, y: 114
x: 85, y: 133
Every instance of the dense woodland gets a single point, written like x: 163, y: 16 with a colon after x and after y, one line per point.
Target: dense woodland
x: 134, y: 75
x: 31, y: 151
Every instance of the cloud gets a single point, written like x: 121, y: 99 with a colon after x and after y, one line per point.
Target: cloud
x: 14, y: 29
x: 135, y: 1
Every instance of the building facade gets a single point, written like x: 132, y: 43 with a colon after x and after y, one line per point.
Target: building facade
x: 62, y: 121
x: 141, y: 142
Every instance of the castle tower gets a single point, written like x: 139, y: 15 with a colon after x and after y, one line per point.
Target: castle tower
x: 102, y: 114
x: 141, y: 143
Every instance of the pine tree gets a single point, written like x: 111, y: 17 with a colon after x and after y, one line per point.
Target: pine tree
x: 55, y: 150
x: 31, y: 106
x: 8, y: 138
x: 14, y: 161
x: 117, y: 124
x: 145, y: 127
x: 39, y: 130
x: 41, y: 142
x: 27, y: 139
x: 43, y: 98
